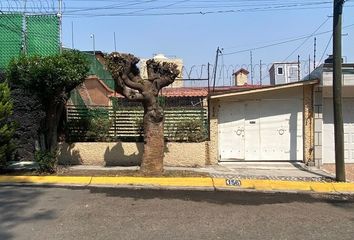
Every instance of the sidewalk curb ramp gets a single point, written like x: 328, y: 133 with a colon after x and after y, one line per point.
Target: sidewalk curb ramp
x: 224, y: 184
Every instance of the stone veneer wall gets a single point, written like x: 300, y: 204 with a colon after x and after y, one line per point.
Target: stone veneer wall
x: 213, y: 143
x: 349, y: 170
x: 318, y: 109
x: 308, y: 131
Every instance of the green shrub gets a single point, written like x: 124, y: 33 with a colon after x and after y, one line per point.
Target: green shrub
x: 190, y: 130
x: 47, y: 161
x: 99, y: 124
x: 7, y: 128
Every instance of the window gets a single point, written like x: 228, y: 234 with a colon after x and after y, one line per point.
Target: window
x: 280, y: 70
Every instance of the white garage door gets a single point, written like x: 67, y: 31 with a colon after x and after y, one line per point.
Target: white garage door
x: 328, y: 131
x: 265, y: 130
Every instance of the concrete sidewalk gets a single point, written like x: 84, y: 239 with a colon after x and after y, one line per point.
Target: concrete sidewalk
x: 254, y: 170
x: 227, y: 177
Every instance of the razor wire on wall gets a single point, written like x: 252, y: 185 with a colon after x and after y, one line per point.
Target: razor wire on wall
x: 30, y: 6
x: 194, y: 75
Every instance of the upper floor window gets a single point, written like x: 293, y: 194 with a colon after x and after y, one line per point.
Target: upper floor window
x: 280, y: 71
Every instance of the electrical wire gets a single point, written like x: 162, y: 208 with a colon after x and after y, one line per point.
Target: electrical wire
x: 306, y: 39
x: 282, y: 42
x: 324, y: 52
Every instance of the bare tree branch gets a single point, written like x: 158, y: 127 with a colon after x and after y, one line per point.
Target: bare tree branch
x: 168, y: 74
x: 124, y: 70
x: 163, y: 74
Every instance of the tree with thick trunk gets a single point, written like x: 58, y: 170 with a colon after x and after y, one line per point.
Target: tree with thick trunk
x: 131, y: 85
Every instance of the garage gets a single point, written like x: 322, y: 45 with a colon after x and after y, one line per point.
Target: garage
x: 328, y: 130
x: 264, y: 129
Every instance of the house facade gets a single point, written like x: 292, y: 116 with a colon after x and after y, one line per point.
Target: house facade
x: 265, y: 124
x: 290, y: 122
x: 323, y: 118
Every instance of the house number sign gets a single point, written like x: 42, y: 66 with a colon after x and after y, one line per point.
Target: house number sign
x: 233, y: 182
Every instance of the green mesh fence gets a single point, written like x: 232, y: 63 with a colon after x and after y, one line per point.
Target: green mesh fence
x: 10, y: 37
x: 96, y: 68
x: 76, y: 98
x: 42, y: 35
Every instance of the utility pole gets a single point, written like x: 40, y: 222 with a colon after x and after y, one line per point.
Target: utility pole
x: 251, y: 56
x: 337, y: 90
x: 309, y: 67
x: 94, y: 48
x: 60, y: 14
x: 24, y: 28
x: 216, y: 66
x: 72, y: 35
x: 115, y: 42
x: 260, y: 72
x: 314, y: 52
x: 298, y: 67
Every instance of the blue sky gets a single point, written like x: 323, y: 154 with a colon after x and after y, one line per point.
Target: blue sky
x: 195, y: 37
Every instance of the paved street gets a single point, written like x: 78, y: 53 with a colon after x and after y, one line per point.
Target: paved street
x: 106, y: 213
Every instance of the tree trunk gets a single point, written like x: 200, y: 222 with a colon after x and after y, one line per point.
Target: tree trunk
x: 154, y: 144
x: 53, y: 116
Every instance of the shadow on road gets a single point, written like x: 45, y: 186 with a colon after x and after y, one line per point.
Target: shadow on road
x: 219, y: 197
x: 15, y: 205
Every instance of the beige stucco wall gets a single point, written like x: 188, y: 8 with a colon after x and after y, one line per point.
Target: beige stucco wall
x: 130, y: 153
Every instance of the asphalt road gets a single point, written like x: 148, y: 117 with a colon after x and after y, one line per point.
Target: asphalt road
x: 112, y: 213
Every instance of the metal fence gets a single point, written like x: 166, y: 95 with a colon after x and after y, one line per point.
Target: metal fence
x: 11, y: 37
x: 29, y: 34
x: 185, y: 124
x: 42, y: 35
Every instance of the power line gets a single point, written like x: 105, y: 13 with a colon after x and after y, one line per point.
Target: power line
x: 324, y: 52
x: 267, y: 7
x: 306, y: 39
x: 282, y: 42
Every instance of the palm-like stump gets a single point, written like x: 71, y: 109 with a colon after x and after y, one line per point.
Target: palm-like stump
x: 129, y: 83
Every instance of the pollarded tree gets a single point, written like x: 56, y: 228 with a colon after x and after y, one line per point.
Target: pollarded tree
x: 50, y: 79
x: 131, y: 85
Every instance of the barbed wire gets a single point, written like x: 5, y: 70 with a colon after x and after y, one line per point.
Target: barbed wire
x: 198, y: 75
x: 30, y: 6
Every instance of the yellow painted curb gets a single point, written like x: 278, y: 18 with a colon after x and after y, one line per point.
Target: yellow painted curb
x: 218, y: 183
x: 343, y: 187
x: 156, y: 181
x: 280, y: 185
x: 290, y: 185
x: 46, y: 179
x: 322, y: 187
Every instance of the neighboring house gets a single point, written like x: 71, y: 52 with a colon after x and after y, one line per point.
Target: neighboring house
x: 284, y: 72
x: 161, y: 58
x: 98, y: 87
x: 241, y: 77
x: 323, y: 114
x: 290, y: 122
